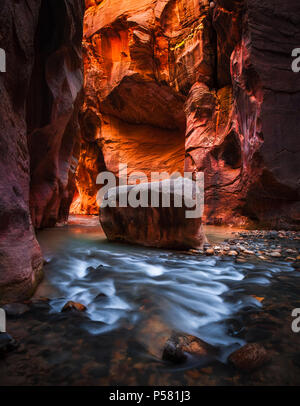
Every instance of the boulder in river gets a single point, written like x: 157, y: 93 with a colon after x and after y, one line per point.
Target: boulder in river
x: 150, y: 225
x: 250, y: 357
x: 178, y: 347
x: 73, y: 306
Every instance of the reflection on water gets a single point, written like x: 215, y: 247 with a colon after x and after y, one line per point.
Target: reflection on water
x: 136, y: 297
x: 124, y: 285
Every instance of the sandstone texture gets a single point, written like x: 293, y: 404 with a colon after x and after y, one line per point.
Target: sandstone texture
x: 174, y: 85
x: 40, y: 93
x: 163, y: 225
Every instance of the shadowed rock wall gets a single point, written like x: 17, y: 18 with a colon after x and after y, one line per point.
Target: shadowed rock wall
x: 40, y: 98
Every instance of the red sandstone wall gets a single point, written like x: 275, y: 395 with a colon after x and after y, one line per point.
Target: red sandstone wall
x: 167, y: 80
x: 40, y: 95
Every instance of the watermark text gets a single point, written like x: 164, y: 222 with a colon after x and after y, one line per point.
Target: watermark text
x: 296, y: 61
x: 2, y: 61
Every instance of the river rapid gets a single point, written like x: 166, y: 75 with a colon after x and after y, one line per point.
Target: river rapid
x: 136, y: 298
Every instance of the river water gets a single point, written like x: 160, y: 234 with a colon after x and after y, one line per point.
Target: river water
x: 136, y: 297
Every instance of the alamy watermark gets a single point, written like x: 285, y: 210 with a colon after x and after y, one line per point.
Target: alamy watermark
x: 161, y: 190
x: 2, y: 321
x: 296, y: 61
x: 2, y: 61
x: 296, y: 322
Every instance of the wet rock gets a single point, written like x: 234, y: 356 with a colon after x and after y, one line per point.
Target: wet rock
x: 179, y: 345
x: 249, y: 358
x: 291, y: 251
x: 15, y: 309
x: 233, y: 253
x: 248, y: 252
x: 90, y: 269
x: 7, y: 343
x: 73, y: 306
x: 210, y: 251
x: 162, y: 227
x: 275, y: 254
x: 100, y: 296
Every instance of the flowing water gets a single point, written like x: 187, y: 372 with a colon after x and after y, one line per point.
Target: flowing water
x: 136, y: 297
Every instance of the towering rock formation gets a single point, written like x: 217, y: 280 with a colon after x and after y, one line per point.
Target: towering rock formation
x: 40, y: 94
x: 266, y: 106
x: 201, y: 86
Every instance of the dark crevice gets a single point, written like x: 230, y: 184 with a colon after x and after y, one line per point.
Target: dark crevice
x: 48, y: 39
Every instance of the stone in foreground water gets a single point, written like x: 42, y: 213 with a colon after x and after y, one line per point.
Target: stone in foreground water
x: 249, y: 358
x: 73, y: 306
x: 179, y: 345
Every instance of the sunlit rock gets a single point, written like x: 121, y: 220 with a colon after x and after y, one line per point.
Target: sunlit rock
x: 201, y: 86
x: 73, y: 306
x: 180, y: 346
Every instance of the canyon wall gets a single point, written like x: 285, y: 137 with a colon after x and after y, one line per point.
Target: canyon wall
x: 39, y: 132
x: 267, y: 100
x: 173, y: 85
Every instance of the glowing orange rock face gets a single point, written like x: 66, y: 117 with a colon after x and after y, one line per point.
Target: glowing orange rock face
x: 180, y: 85
x: 141, y: 58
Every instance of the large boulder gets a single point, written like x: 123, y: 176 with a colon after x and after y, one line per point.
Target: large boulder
x: 249, y: 357
x: 152, y: 224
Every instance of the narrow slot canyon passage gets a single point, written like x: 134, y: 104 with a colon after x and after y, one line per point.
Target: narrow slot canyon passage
x: 142, y: 148
x: 159, y: 86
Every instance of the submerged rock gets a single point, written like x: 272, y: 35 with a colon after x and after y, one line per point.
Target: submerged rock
x: 73, y: 306
x: 179, y: 345
x: 100, y: 296
x: 163, y: 227
x: 7, y: 343
x: 250, y: 357
x: 15, y: 309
